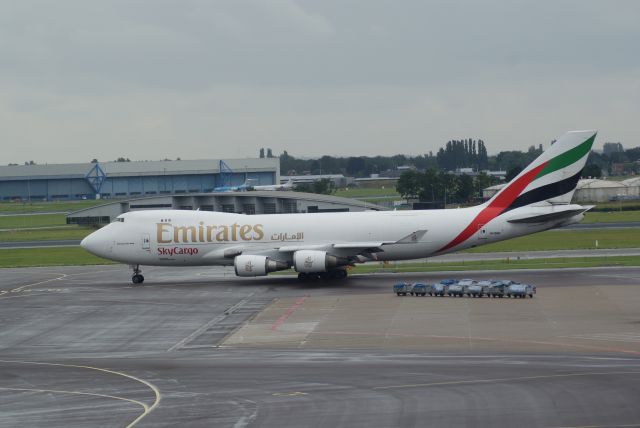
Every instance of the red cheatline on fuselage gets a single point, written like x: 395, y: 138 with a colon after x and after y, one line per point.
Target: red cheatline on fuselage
x: 496, y: 206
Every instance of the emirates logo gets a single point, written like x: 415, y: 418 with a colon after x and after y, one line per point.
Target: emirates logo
x: 308, y: 262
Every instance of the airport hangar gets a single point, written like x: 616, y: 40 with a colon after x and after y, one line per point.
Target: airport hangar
x: 247, y: 202
x: 108, y: 180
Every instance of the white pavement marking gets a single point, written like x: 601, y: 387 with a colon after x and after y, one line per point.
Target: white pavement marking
x: 208, y: 325
x: 18, y: 289
x: 506, y: 379
x: 245, y: 420
x: 91, y: 394
x: 147, y: 409
x: 609, y: 337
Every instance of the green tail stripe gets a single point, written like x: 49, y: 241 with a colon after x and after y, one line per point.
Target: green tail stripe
x: 567, y: 158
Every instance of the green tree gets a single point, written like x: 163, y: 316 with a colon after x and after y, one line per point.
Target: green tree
x: 513, y: 172
x: 447, y: 187
x: 356, y: 166
x: 633, y: 154
x: 465, y: 189
x: 609, y: 148
x: 483, y: 181
x: 592, y: 171
x: 409, y: 184
x: 429, y: 186
x: 323, y: 186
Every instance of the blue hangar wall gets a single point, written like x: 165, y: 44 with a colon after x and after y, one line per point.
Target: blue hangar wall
x: 125, y: 179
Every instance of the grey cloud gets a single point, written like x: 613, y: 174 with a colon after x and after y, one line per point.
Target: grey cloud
x: 313, y: 77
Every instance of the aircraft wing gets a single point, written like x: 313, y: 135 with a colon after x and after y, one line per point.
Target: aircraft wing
x: 412, y: 238
x: 356, y: 248
x: 352, y: 249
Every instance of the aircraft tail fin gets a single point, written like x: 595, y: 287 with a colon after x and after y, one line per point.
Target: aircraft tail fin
x: 551, y: 178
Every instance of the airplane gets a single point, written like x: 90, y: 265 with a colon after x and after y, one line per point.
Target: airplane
x: 284, y: 186
x: 225, y: 189
x: 324, y: 245
x: 247, y: 187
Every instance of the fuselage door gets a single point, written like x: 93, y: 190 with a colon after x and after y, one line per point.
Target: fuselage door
x: 146, y: 242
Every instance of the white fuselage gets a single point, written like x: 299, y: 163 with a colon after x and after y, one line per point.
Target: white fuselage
x: 188, y: 238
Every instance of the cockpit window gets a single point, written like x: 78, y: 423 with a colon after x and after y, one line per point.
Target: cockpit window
x: 118, y: 219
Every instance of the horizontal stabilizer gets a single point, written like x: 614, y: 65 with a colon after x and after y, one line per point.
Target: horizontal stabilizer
x: 542, y: 218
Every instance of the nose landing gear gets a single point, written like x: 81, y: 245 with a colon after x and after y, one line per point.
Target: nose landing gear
x: 137, y: 277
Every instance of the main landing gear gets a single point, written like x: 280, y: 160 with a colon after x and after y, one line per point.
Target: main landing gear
x: 329, y: 275
x: 137, y: 277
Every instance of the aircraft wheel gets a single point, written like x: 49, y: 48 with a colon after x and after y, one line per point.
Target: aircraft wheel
x: 137, y: 279
x: 334, y: 274
x: 302, y: 276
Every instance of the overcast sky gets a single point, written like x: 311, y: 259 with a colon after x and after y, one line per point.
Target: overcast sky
x: 207, y: 79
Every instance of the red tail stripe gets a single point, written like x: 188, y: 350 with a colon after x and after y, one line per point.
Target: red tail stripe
x: 496, y: 206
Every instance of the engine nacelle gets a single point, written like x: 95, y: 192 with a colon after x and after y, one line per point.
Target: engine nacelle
x: 316, y: 261
x: 247, y: 265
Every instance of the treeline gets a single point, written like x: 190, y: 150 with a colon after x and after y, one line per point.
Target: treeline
x: 463, y: 154
x: 440, y: 186
x: 455, y: 154
x: 355, y: 166
x: 614, y: 159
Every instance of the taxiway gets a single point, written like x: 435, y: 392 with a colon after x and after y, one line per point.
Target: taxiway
x: 81, y: 346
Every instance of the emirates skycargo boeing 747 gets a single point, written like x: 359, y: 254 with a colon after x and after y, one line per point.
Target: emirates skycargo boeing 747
x: 323, y: 245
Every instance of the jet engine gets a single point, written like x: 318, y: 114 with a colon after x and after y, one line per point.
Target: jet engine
x: 248, y: 265
x: 316, y: 261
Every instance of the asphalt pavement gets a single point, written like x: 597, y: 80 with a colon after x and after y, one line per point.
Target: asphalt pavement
x: 81, y: 346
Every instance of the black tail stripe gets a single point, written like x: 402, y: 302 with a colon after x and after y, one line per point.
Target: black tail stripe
x: 545, y: 192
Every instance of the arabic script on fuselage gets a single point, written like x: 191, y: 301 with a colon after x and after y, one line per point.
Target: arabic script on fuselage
x: 284, y: 236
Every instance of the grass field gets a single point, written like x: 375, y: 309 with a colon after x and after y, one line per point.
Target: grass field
x: 62, y: 256
x: 73, y: 256
x: 615, y: 206
x: 551, y: 263
x: 567, y: 240
x: 72, y: 232
x: 44, y: 220
x: 44, y: 227
x: 39, y: 227
x: 551, y: 240
x: 611, y: 217
x: 368, y: 193
x: 34, y: 207
x: 32, y: 220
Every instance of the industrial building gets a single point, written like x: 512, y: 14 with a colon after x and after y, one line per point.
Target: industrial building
x: 107, y: 180
x: 593, y: 190
x: 249, y: 202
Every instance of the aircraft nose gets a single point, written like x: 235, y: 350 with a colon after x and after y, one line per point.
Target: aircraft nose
x: 90, y: 243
